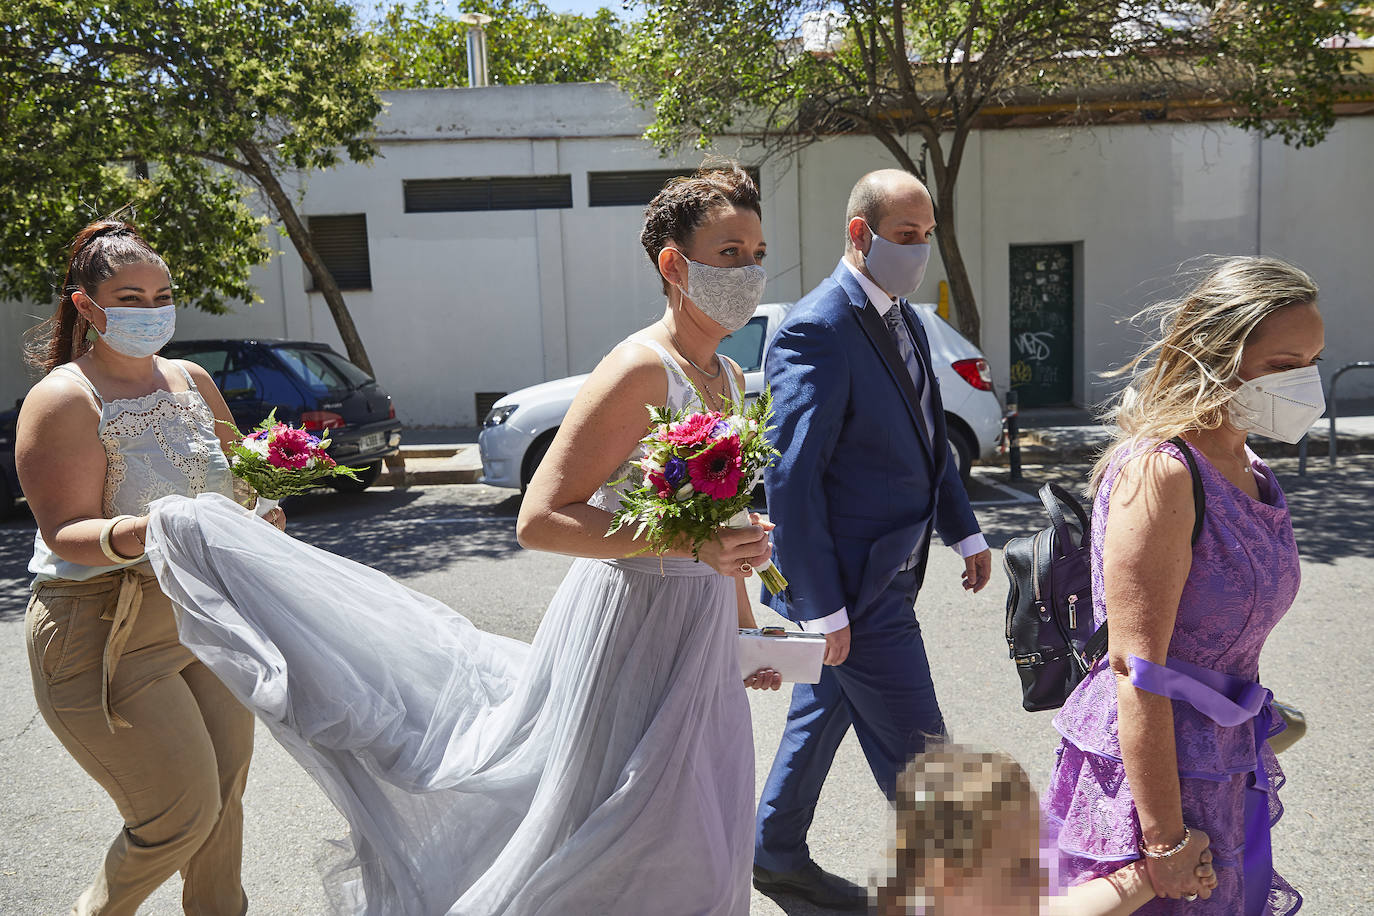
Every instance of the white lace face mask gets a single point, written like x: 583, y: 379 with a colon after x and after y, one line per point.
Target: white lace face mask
x: 1280, y: 405
x: 726, y: 295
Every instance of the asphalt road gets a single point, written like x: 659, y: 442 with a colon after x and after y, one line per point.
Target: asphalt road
x: 457, y: 543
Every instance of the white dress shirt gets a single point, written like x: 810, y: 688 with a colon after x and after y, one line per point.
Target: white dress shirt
x: 973, y: 544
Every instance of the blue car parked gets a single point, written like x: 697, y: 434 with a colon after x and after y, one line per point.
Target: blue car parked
x: 9, y: 480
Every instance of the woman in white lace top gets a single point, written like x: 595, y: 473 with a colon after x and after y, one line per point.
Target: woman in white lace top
x: 108, y: 429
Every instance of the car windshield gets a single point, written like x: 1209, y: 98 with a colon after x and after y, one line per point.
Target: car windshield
x: 356, y: 377
x: 745, y: 346
x: 321, y: 370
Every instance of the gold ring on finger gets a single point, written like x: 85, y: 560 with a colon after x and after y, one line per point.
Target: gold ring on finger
x: 746, y: 568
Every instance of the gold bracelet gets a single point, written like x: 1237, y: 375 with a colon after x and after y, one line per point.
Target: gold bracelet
x: 1187, y: 835
x: 107, y: 547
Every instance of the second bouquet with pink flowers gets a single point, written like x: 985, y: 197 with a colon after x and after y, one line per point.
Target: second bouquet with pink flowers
x: 279, y: 460
x: 700, y: 470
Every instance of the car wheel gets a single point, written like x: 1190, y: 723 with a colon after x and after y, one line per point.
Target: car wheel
x: 961, y: 446
x: 536, y: 454
x: 367, y: 476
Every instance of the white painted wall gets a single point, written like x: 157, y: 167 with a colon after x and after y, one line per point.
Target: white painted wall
x: 493, y: 301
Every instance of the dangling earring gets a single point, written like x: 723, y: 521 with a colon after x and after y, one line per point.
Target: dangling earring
x: 92, y: 335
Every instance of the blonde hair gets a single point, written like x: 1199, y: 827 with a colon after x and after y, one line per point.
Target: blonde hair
x: 1184, y: 379
x: 950, y: 803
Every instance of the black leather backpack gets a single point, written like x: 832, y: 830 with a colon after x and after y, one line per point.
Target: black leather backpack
x: 1050, y: 633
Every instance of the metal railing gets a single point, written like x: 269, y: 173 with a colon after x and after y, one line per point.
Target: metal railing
x: 1331, y: 414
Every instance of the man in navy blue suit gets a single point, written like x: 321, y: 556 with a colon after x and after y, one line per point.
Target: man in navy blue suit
x: 864, y: 480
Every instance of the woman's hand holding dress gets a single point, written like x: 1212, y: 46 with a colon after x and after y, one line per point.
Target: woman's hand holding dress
x: 1182, y: 873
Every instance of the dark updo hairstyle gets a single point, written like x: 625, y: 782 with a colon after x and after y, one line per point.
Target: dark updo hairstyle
x: 95, y: 255
x: 685, y: 202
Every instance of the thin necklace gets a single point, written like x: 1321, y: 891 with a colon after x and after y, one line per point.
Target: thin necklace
x: 684, y: 355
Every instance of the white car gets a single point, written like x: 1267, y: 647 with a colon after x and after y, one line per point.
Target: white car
x: 517, y: 432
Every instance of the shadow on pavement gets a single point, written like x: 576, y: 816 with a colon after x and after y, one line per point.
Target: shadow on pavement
x: 391, y: 530
x: 16, y: 548
x: 1332, y: 508
x: 387, y: 531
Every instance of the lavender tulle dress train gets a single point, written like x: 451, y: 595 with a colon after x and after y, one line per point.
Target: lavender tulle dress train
x: 605, y: 770
x: 1244, y: 578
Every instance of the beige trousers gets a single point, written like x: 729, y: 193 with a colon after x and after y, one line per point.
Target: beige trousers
x: 155, y: 728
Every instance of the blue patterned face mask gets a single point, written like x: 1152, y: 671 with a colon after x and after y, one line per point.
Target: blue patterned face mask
x: 138, y: 332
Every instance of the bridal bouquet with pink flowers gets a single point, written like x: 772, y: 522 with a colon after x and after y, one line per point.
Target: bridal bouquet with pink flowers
x: 279, y: 460
x: 700, y: 470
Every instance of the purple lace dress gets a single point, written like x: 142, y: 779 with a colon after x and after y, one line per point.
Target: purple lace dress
x: 1244, y: 577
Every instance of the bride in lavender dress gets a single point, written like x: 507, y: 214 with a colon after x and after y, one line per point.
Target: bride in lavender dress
x: 1165, y: 743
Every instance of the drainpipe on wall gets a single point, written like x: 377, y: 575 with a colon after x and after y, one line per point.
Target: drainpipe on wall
x: 477, y: 47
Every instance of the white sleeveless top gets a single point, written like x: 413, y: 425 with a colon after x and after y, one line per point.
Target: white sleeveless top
x: 627, y: 477
x: 163, y: 443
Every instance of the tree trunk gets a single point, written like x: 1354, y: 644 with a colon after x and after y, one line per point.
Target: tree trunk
x: 960, y: 287
x: 300, y: 237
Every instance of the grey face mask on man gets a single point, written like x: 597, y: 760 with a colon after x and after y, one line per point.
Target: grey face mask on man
x: 898, y: 269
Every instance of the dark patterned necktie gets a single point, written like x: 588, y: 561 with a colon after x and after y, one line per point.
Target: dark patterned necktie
x: 902, y: 337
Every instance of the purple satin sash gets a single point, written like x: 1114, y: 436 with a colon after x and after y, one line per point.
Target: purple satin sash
x: 1227, y: 701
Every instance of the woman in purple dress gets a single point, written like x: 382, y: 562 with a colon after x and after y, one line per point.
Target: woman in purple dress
x: 1165, y: 743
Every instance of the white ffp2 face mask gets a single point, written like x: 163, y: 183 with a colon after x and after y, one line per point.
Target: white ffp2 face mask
x: 1280, y: 405
x: 726, y: 295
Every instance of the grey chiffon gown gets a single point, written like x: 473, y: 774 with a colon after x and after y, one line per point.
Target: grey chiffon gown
x: 605, y: 769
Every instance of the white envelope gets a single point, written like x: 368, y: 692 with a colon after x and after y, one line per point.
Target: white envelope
x: 793, y: 654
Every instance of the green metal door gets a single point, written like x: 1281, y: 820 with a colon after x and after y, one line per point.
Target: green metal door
x: 1041, y: 321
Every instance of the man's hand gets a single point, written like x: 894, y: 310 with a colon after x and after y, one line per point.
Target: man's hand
x: 977, y: 570
x: 836, y: 646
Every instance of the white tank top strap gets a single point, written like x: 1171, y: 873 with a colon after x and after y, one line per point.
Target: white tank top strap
x: 81, y: 377
x: 676, y: 377
x: 191, y: 388
x: 186, y: 374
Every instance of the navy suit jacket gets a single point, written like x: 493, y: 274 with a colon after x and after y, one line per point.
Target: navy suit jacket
x: 861, y: 483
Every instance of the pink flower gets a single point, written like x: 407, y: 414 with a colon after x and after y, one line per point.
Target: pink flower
x: 290, y: 448
x: 716, y: 471
x: 660, y: 483
x: 694, y: 430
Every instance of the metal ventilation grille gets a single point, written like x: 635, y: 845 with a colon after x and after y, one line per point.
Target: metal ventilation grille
x: 634, y: 188
x: 628, y: 189
x: 341, y: 242
x: 448, y: 195
x: 484, y: 401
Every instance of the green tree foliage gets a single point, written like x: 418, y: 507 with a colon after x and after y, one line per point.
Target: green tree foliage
x: 791, y: 71
x: 420, y: 47
x: 181, y: 110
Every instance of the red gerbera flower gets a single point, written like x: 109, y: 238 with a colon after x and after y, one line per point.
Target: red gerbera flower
x: 694, y: 430
x: 290, y: 448
x: 716, y: 471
